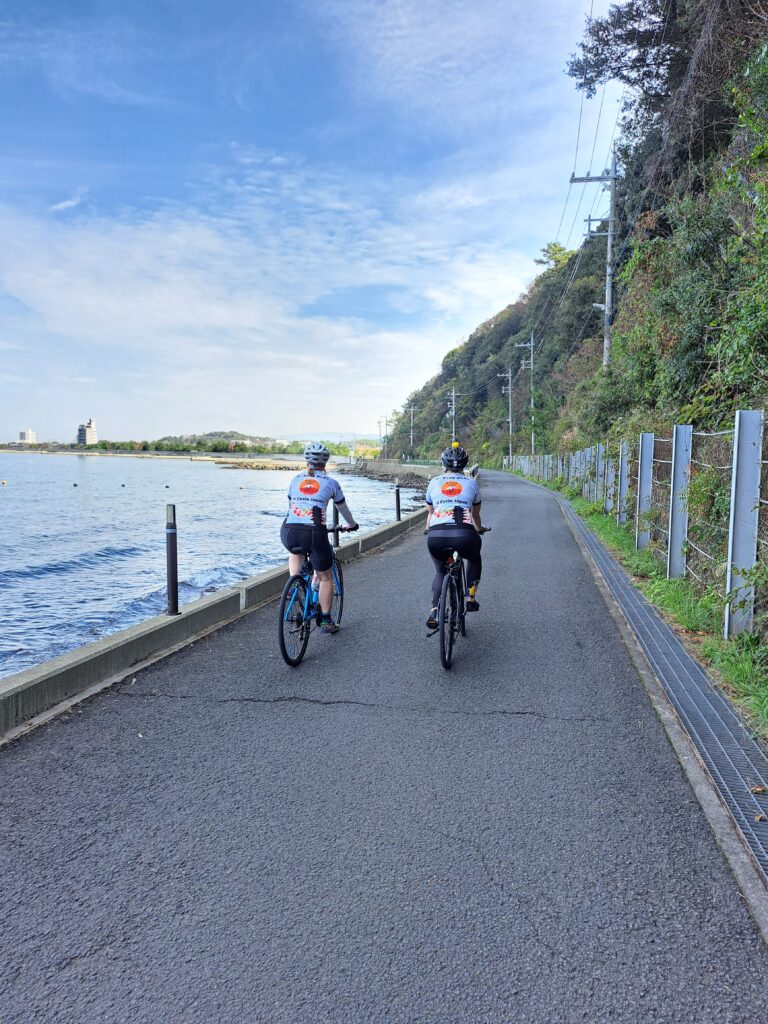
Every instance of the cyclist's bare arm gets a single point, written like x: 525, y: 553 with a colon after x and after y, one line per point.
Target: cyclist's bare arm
x: 476, y: 518
x: 347, y: 516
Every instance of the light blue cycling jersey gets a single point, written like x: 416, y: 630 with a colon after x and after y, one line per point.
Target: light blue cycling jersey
x: 448, y: 492
x: 308, y: 497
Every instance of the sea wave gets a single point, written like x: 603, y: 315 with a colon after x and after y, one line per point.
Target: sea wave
x: 88, y: 559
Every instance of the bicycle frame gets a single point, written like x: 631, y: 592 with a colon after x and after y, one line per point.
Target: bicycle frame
x: 311, y: 600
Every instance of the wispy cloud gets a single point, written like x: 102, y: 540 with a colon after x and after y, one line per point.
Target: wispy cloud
x: 101, y: 61
x: 69, y: 204
x: 455, y: 63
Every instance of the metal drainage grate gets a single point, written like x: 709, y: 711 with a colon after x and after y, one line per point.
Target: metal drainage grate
x: 734, y: 760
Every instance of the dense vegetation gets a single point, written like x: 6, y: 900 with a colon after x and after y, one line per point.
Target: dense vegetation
x: 690, y: 329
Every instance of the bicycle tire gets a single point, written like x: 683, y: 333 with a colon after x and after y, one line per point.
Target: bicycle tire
x: 446, y: 620
x: 337, y: 605
x: 292, y: 628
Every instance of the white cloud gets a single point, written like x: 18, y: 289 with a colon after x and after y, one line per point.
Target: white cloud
x: 71, y: 203
x: 451, y: 61
x: 208, y: 303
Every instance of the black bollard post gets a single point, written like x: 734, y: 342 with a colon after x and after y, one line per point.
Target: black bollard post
x: 171, y: 560
x: 335, y: 527
x: 397, y: 498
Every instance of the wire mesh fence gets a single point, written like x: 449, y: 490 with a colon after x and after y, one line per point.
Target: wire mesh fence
x: 661, y: 489
x: 698, y: 500
x: 709, y: 500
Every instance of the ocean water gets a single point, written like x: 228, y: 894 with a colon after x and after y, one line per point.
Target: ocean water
x: 80, y: 562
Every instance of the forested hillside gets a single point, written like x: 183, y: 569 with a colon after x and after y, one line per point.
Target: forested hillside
x: 690, y: 314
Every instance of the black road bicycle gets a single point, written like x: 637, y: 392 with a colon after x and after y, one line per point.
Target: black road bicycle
x: 300, y: 607
x: 452, y: 608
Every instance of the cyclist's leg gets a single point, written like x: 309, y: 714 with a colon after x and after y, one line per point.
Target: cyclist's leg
x: 440, y: 546
x: 471, y: 553
x: 298, y: 542
x: 322, y: 560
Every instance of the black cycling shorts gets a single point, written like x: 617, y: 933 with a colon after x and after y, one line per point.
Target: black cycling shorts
x: 308, y: 540
x: 442, y: 541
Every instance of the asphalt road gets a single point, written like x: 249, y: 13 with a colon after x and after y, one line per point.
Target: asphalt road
x: 368, y: 838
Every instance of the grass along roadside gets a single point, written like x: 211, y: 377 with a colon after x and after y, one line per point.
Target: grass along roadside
x: 740, y: 665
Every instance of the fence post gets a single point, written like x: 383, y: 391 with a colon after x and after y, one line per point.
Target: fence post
x: 682, y: 438
x: 742, y: 528
x: 610, y: 484
x: 644, y: 487
x: 599, y: 472
x: 621, y: 515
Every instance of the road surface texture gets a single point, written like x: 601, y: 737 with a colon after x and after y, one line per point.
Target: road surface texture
x: 369, y: 838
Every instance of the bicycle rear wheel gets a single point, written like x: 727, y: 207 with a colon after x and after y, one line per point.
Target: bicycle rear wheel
x: 337, y: 605
x: 447, y: 619
x: 293, y: 628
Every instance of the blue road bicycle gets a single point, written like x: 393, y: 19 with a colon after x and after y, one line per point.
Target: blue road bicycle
x: 300, y: 607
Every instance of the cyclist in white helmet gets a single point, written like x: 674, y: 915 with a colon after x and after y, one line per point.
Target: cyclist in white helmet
x: 304, y: 530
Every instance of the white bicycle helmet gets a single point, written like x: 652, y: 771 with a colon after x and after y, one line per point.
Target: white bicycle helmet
x: 316, y: 454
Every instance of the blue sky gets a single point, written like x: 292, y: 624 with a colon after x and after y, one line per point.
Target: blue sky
x: 271, y: 217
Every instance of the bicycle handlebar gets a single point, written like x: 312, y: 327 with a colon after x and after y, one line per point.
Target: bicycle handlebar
x: 343, y: 529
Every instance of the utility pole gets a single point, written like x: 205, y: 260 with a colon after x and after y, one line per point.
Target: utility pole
x: 610, y: 177
x: 527, y: 364
x: 386, y: 431
x: 411, y: 425
x: 452, y: 411
x: 508, y: 391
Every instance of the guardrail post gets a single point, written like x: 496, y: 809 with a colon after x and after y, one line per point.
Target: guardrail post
x: 644, y: 488
x: 335, y: 523
x: 610, y: 484
x: 621, y: 515
x: 398, y: 517
x: 682, y: 438
x: 742, y: 529
x: 171, y: 560
x: 599, y: 472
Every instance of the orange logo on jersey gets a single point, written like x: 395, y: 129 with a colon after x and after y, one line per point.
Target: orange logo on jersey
x: 451, y: 488
x: 309, y: 486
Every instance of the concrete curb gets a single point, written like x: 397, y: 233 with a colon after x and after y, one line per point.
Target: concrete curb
x: 31, y: 693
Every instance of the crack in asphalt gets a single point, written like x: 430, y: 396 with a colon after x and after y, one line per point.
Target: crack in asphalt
x: 498, y: 884
x: 348, y: 702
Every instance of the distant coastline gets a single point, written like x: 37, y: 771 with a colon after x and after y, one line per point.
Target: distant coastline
x: 228, y: 460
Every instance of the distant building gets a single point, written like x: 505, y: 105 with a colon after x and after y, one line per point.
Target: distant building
x: 27, y: 436
x: 86, y: 432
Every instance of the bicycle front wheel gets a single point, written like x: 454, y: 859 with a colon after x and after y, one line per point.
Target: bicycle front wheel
x: 337, y: 605
x: 293, y: 628
x: 447, y: 616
